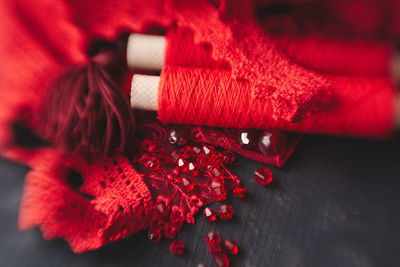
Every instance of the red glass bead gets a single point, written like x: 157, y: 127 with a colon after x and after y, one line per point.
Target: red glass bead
x: 162, y: 209
x: 231, y: 246
x: 176, y: 247
x: 196, y: 149
x: 154, y: 236
x: 220, y: 259
x: 263, y: 176
x: 225, y: 212
x: 177, y: 215
x: 206, y: 150
x: 178, y: 136
x: 216, y: 172
x: 170, y: 231
x: 174, y: 157
x: 213, y: 241
x: 210, y: 214
x: 192, y: 169
x: 187, y: 184
x: 272, y: 142
x: 228, y: 157
x: 152, y: 164
x: 240, y: 192
x: 219, y: 190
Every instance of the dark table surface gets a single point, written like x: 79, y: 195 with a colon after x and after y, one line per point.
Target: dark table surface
x: 335, y: 203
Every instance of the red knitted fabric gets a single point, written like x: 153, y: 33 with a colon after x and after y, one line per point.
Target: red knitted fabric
x: 40, y: 39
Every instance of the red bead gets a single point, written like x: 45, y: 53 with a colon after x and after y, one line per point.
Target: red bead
x: 225, y: 212
x: 187, y: 184
x: 178, y: 136
x: 174, y: 157
x: 196, y: 149
x: 216, y: 172
x: 170, y: 231
x: 221, y: 260
x: 177, y: 215
x: 176, y: 247
x: 162, y: 209
x: 152, y: 164
x: 240, y: 192
x: 210, y: 214
x: 231, y: 246
x: 272, y: 142
x: 263, y: 176
x: 154, y: 236
x: 219, y: 190
x: 192, y: 169
x: 228, y: 157
x: 213, y: 241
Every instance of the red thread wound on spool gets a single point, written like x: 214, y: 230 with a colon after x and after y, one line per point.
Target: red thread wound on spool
x: 360, y: 106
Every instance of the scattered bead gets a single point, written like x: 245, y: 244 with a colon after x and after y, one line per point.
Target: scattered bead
x: 206, y: 150
x: 178, y: 136
x: 187, y: 184
x: 225, y: 212
x: 162, y: 209
x: 240, y: 192
x: 272, y: 142
x: 154, y: 236
x: 228, y: 157
x: 176, y: 247
x: 231, y: 247
x: 170, y: 231
x: 221, y: 260
x: 263, y: 176
x: 213, y: 241
x: 219, y: 190
x: 210, y: 214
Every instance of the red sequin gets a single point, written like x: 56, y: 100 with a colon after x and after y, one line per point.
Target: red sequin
x: 231, y: 246
x: 225, y: 212
x: 263, y: 176
x: 176, y: 247
x: 210, y: 214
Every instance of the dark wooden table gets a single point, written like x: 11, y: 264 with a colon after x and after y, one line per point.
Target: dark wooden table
x: 336, y: 203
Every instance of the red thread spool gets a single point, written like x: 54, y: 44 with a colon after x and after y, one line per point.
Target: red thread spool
x: 362, y: 106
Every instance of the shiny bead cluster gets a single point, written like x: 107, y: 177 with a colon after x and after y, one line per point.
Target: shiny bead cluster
x: 219, y: 254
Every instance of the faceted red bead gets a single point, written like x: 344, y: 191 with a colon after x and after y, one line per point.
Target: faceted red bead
x: 154, y: 236
x: 192, y: 169
x: 231, y: 246
x: 240, y: 192
x: 210, y: 214
x: 162, y: 209
x: 219, y: 190
x: 216, y: 172
x: 196, y: 149
x: 187, y: 184
x: 176, y: 247
x: 228, y: 157
x: 170, y: 231
x: 225, y: 212
x: 220, y: 259
x: 272, y: 142
x: 263, y: 176
x: 213, y: 241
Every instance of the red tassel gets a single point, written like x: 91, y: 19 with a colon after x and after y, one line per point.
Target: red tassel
x: 85, y: 112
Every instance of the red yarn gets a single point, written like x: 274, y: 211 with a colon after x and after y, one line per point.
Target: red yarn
x: 359, y: 106
x: 86, y: 112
